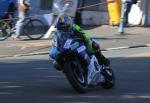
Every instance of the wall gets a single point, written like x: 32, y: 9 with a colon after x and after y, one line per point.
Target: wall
x: 41, y: 9
x: 140, y: 13
x: 147, y: 10
x: 96, y: 15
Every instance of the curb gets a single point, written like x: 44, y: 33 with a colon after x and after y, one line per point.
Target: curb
x: 126, y: 47
x: 107, y: 49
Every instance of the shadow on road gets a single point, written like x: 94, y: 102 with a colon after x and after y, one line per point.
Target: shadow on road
x: 36, y: 81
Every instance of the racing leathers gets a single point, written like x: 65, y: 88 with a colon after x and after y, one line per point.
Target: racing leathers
x: 91, y: 44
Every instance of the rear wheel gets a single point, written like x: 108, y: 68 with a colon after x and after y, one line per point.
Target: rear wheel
x: 34, y: 29
x: 76, y: 75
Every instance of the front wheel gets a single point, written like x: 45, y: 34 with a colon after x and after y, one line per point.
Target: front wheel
x: 76, y: 75
x: 4, y: 30
x: 109, y: 78
x: 34, y: 29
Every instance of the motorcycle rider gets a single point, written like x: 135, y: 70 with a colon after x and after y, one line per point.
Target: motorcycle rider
x: 65, y: 24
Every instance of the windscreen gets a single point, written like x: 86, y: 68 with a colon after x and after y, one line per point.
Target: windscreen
x: 70, y: 9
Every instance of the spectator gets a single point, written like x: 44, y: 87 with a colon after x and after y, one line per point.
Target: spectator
x: 23, y: 8
x: 129, y: 4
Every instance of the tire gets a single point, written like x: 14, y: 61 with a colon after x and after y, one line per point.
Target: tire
x: 4, y: 30
x: 78, y: 82
x: 109, y: 79
x: 34, y: 29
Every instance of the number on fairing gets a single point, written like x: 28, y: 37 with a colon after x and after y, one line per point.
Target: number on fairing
x: 68, y: 43
x: 81, y: 49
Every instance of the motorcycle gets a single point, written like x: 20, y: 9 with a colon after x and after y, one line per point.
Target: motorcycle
x: 81, y: 67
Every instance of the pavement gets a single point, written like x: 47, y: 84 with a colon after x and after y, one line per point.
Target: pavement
x: 108, y: 37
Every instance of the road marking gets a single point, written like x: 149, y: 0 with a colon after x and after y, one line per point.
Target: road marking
x: 130, y: 96
x: 61, y: 77
x: 117, y: 48
x: 145, y: 54
x: 6, y: 93
x: 148, y: 44
x: 24, y: 46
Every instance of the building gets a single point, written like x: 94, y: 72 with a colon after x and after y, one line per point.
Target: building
x: 139, y: 15
x: 95, y: 15
x: 98, y: 15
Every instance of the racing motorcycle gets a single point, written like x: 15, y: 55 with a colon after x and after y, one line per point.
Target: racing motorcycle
x: 81, y: 67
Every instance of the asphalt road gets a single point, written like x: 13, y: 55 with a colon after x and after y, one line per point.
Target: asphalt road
x: 33, y: 79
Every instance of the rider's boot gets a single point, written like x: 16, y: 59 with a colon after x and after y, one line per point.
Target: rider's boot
x: 102, y: 59
x: 106, y: 64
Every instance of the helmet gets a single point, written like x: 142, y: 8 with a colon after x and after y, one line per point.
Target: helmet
x: 64, y: 23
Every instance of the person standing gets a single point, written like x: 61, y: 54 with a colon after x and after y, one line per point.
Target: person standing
x: 125, y: 10
x: 128, y: 4
x: 23, y: 8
